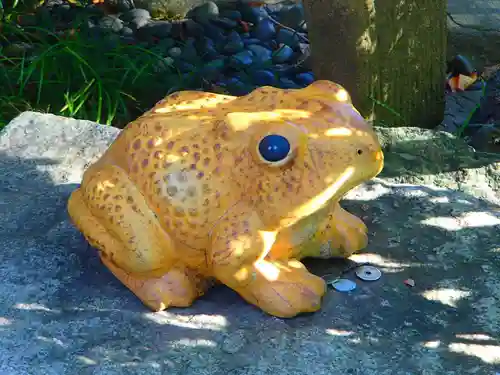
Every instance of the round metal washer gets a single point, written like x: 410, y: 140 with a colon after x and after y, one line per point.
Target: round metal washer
x: 368, y: 273
x: 343, y: 285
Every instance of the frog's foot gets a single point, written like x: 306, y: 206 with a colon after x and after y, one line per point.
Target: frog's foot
x: 280, y: 288
x: 179, y: 287
x: 283, y: 288
x: 341, y: 234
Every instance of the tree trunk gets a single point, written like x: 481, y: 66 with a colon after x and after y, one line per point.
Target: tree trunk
x: 389, y: 54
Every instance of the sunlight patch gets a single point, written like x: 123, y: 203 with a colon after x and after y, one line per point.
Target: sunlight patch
x: 448, y: 223
x: 480, y: 219
x: 206, y: 322
x: 440, y: 200
x: 336, y: 332
x: 195, y: 343
x: 388, y: 266
x: 432, y: 344
x: 467, y: 220
x: 487, y: 353
x: 52, y: 340
x: 86, y: 360
x: 448, y: 297
x: 4, y: 321
x: 367, y: 192
x: 32, y: 306
x: 475, y: 336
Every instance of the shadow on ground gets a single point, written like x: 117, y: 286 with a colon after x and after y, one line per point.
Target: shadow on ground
x: 62, y: 312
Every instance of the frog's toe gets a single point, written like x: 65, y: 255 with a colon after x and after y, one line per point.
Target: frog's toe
x: 352, y: 238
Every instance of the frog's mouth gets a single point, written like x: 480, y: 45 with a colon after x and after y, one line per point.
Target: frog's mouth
x: 320, y: 200
x: 354, y: 182
x: 333, y: 190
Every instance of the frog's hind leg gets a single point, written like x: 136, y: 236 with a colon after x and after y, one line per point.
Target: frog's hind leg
x: 179, y: 287
x: 115, y: 219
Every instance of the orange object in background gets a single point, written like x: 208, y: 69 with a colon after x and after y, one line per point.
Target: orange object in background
x: 461, y: 82
x: 461, y: 74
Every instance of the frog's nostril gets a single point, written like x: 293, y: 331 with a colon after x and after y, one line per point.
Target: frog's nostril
x: 359, y: 151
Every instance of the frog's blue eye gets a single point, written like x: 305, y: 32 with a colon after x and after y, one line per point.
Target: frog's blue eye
x: 274, y: 148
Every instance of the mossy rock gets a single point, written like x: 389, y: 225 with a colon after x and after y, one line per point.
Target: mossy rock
x: 427, y: 157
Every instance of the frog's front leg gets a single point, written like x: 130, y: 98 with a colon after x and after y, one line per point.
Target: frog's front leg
x: 340, y: 234
x: 239, y: 256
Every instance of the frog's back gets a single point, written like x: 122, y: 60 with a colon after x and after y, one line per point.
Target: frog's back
x: 179, y: 159
x: 177, y: 116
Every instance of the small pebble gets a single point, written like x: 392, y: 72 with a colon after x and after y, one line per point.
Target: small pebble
x: 124, y: 5
x: 235, y: 87
x: 189, y: 52
x: 305, y: 78
x: 213, y: 69
x: 135, y: 14
x: 174, y: 52
x: 241, y: 59
x: 184, y: 66
x: 225, y: 23
x: 231, y: 14
x: 111, y: 23
x: 253, y: 14
x: 213, y: 32
x: 409, y: 282
x: 292, y: 16
x: 261, y: 54
x: 249, y: 41
x: 204, y: 12
x: 288, y: 37
x: 206, y: 48
x: 263, y: 77
x: 234, y: 43
x: 127, y: 31
x: 193, y: 28
x: 282, y: 54
x: 158, y: 29
x: 264, y: 30
x: 287, y: 83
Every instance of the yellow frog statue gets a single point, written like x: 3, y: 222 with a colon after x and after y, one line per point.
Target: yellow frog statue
x: 207, y: 187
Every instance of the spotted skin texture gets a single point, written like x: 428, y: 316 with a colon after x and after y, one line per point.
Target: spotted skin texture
x: 183, y: 197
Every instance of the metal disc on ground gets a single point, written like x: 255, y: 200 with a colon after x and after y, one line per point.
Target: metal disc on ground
x: 368, y: 273
x: 343, y: 285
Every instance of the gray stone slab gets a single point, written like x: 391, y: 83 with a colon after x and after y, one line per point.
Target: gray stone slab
x: 474, y: 31
x: 62, y: 312
x: 476, y: 13
x: 459, y: 108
